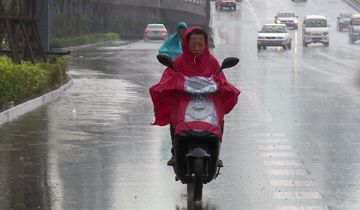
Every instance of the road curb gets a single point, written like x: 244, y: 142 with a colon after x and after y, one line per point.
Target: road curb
x: 32, y: 104
x: 79, y: 47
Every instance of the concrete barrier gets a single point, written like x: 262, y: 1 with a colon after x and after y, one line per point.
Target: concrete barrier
x: 31, y: 105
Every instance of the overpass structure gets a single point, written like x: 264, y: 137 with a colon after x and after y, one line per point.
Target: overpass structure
x: 169, y: 12
x: 127, y: 17
x: 66, y: 18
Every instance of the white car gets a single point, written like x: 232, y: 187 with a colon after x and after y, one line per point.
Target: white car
x: 315, y: 30
x: 274, y: 35
x: 287, y: 18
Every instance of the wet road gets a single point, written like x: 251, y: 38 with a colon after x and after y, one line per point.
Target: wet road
x: 292, y: 142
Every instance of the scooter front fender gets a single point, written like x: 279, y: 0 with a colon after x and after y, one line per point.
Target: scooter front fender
x: 198, y: 153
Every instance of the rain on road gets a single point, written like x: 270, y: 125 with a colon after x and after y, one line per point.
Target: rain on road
x: 291, y: 142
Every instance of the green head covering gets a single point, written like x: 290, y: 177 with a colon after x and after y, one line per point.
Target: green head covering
x: 181, y: 25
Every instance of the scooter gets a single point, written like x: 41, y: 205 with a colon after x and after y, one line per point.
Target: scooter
x: 197, y: 151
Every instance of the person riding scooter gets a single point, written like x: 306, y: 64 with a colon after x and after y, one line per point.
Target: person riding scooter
x: 195, y: 60
x: 172, y: 45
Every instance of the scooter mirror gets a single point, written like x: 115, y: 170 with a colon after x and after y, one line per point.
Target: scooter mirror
x: 165, y: 60
x: 229, y: 62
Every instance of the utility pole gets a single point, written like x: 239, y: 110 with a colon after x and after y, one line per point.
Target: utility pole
x: 42, y: 14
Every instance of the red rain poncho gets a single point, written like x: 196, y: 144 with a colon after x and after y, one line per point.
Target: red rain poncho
x: 170, y: 100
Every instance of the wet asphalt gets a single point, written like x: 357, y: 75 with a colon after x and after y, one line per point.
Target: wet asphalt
x: 292, y: 142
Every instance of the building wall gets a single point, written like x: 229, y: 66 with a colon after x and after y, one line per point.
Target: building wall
x: 127, y: 17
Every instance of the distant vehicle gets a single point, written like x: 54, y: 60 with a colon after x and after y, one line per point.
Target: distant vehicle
x: 287, y: 18
x: 343, y: 20
x: 274, y: 35
x: 354, y: 28
x: 220, y: 4
x: 155, y: 31
x: 315, y: 30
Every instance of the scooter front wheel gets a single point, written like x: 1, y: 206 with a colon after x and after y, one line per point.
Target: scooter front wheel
x: 195, y: 187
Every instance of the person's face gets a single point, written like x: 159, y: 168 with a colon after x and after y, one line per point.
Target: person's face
x: 181, y: 32
x: 197, y: 43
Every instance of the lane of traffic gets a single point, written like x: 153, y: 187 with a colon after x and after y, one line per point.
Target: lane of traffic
x: 309, y: 93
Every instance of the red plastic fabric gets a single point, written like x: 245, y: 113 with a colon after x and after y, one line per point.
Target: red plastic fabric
x: 170, y: 100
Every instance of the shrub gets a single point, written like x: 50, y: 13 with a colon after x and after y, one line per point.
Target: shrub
x: 84, y: 39
x: 20, y: 82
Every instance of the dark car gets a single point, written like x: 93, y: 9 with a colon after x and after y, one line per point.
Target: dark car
x: 343, y: 20
x: 220, y: 4
x: 287, y: 18
x: 354, y: 28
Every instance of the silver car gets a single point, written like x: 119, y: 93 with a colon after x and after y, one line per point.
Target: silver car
x: 274, y: 35
x: 343, y: 20
x: 287, y: 18
x: 155, y: 31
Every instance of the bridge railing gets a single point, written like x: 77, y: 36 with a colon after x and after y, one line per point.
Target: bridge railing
x: 195, y: 6
x: 354, y: 3
x: 200, y: 2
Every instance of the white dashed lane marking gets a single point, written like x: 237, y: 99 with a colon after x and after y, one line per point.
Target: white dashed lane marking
x: 297, y: 195
x: 302, y: 207
x: 275, y: 147
x: 273, y: 141
x: 292, y: 183
x: 282, y: 163
x: 278, y: 154
x: 287, y: 172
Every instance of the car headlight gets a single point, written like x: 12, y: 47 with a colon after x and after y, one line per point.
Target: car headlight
x: 295, y: 21
x: 326, y: 33
x: 278, y: 21
x: 307, y: 33
x: 261, y: 37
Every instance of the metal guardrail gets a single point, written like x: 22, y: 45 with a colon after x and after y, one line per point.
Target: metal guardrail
x: 354, y: 3
x: 200, y: 2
